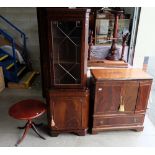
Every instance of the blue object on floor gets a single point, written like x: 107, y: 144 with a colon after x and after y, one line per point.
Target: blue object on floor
x: 12, y: 68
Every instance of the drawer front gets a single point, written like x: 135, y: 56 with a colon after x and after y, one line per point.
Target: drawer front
x: 118, y: 121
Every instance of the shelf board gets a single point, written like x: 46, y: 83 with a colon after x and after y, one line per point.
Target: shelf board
x: 107, y: 63
x: 67, y: 62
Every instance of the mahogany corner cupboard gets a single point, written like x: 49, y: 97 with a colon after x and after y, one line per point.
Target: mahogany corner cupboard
x: 120, y: 98
x: 63, y: 35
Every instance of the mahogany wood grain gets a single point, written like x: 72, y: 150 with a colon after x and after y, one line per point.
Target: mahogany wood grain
x: 120, y: 74
x: 137, y: 128
x: 44, y: 50
x: 68, y: 103
x: 66, y: 113
x: 27, y: 109
x: 143, y: 96
x: 109, y: 86
x: 118, y: 120
x: 107, y: 63
x: 69, y: 111
x: 128, y: 90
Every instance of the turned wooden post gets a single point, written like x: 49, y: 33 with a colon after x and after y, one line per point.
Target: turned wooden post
x: 90, y: 44
x: 124, y: 39
x: 114, y: 51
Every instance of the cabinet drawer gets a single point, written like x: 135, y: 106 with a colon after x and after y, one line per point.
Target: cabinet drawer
x: 118, y: 120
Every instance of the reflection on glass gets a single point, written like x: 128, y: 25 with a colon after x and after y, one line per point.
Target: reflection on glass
x: 66, y: 38
x: 104, y: 30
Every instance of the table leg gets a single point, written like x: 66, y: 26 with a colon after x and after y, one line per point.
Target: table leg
x: 37, y: 125
x: 23, y: 127
x: 36, y: 131
x: 28, y: 126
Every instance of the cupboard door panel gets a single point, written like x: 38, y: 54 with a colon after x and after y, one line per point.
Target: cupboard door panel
x: 129, y: 95
x: 66, y: 113
x: 107, y: 98
x: 111, y: 95
x: 143, y: 95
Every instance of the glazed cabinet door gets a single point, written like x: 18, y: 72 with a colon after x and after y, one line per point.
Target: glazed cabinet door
x: 65, y: 113
x: 116, y: 97
x: 68, y: 39
x: 66, y: 51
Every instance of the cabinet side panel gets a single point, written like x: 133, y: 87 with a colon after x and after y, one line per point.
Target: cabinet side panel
x: 85, y: 111
x: 84, y: 49
x: 44, y: 53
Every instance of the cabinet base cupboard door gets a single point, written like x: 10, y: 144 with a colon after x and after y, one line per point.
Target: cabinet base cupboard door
x: 119, y: 99
x: 68, y: 111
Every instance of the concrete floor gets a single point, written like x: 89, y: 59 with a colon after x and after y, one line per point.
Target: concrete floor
x: 9, y: 134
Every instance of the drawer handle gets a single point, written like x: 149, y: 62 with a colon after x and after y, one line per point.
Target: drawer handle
x: 121, y: 107
x: 52, y: 122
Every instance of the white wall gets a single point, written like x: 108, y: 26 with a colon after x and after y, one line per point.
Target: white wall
x: 145, y: 45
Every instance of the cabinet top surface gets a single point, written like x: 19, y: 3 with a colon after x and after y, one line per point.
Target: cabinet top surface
x: 119, y: 74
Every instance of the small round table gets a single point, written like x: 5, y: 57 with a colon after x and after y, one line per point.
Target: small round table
x: 27, y: 110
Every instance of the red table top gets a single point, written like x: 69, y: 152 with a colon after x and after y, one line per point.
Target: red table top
x: 27, y: 109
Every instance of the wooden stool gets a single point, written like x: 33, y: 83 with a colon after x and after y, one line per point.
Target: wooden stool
x: 28, y: 110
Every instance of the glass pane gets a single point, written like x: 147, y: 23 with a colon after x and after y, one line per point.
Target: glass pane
x: 66, y: 38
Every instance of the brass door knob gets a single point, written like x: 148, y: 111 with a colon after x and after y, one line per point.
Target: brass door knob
x: 52, y: 122
x: 121, y: 107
